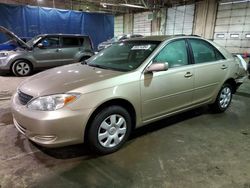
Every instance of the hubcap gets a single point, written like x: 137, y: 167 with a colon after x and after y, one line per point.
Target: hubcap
x: 225, y: 97
x: 22, y: 68
x: 112, y: 131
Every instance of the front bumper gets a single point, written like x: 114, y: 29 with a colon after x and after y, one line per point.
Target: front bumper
x: 4, y: 64
x: 50, y: 128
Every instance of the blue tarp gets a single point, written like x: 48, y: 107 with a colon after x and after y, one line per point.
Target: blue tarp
x: 28, y: 21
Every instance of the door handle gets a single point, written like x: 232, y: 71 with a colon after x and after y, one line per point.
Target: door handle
x: 223, y: 67
x: 188, y: 74
x: 58, y: 50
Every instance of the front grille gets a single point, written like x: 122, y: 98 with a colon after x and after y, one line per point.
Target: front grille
x: 24, y: 98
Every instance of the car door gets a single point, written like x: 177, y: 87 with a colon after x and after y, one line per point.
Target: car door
x: 47, y: 52
x: 70, y: 48
x: 168, y: 91
x: 210, y: 70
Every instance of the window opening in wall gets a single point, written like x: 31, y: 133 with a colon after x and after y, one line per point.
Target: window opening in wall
x: 234, y: 36
x: 220, y: 35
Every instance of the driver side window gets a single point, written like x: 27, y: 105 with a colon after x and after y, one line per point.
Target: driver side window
x: 50, y: 42
x: 175, y: 53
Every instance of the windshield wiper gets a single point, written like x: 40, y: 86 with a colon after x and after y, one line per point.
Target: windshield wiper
x: 109, y: 68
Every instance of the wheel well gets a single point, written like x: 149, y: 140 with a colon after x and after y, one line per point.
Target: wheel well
x: 118, y: 102
x: 84, y: 57
x: 232, y: 82
x: 21, y: 60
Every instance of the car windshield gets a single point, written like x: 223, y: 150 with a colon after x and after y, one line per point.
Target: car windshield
x: 123, y: 56
x: 33, y: 41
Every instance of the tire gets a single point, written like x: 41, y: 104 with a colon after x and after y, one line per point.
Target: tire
x: 21, y: 68
x: 223, y: 99
x: 109, y: 130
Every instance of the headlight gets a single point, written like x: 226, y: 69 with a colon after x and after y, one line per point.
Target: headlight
x: 52, y: 102
x: 4, y: 54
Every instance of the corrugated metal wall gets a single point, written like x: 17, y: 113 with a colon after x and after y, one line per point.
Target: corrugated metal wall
x: 118, y: 25
x: 180, y: 20
x: 232, y: 28
x: 142, y: 24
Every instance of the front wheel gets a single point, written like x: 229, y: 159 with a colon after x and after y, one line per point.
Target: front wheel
x: 223, y: 99
x: 21, y: 68
x: 109, y: 130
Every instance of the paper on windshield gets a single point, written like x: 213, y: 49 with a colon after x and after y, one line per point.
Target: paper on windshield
x: 140, y: 47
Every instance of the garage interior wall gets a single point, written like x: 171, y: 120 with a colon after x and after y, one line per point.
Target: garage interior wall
x: 170, y: 21
x: 118, y: 25
x: 28, y: 21
x: 226, y: 23
x: 232, y: 28
x: 204, y: 19
x: 180, y: 20
x: 142, y: 23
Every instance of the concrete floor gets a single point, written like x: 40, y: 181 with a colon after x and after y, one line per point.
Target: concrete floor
x: 196, y: 149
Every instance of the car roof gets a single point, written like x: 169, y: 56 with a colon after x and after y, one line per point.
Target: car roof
x: 64, y: 35
x: 161, y: 38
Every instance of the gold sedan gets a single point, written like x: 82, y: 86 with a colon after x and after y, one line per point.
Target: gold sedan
x: 130, y: 84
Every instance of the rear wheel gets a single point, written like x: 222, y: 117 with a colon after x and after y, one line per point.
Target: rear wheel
x: 223, y: 99
x: 21, y: 68
x: 109, y: 130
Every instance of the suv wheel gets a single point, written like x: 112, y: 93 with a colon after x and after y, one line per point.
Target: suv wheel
x: 223, y: 99
x: 109, y: 130
x: 21, y: 68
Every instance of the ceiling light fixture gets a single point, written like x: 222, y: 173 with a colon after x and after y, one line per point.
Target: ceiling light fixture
x: 108, y: 4
x: 133, y: 6
x: 121, y: 4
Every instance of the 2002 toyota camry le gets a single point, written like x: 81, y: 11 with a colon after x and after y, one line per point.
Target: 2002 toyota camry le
x: 127, y: 85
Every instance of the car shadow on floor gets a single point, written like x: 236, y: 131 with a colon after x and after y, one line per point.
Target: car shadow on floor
x: 243, y: 94
x: 169, y: 121
x: 81, y: 150
x: 67, y: 152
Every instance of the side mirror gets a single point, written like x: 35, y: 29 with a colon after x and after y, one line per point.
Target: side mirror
x: 156, y: 67
x: 40, y: 45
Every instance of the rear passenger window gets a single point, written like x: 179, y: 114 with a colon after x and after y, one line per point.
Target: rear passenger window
x: 175, y: 53
x: 204, y: 52
x: 70, y: 41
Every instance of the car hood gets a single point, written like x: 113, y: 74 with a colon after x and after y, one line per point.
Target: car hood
x: 65, y: 79
x: 12, y: 36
